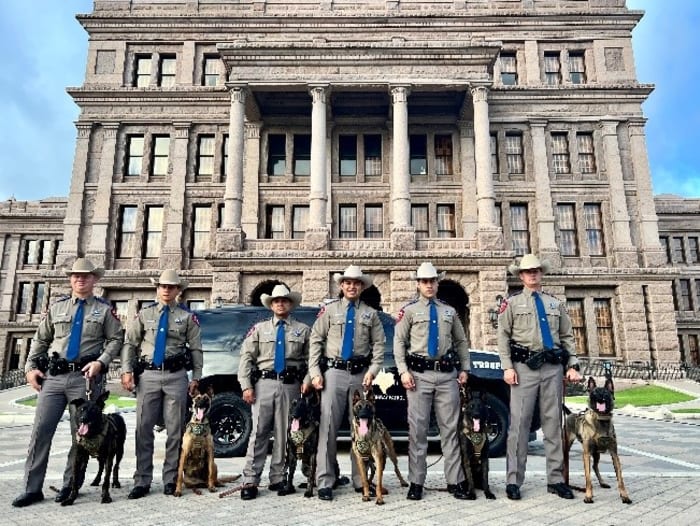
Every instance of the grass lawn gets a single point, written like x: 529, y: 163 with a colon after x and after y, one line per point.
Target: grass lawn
x: 642, y: 396
x: 693, y: 410
x: 113, y: 399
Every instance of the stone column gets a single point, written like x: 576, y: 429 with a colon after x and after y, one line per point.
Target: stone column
x: 175, y: 214
x: 229, y: 238
x: 317, y: 235
x: 251, y: 168
x: 469, y: 210
x: 97, y: 247
x: 489, y: 234
x: 403, y: 235
x: 74, y: 208
x: 543, y: 195
x: 14, y: 258
x: 652, y: 252
x: 623, y: 250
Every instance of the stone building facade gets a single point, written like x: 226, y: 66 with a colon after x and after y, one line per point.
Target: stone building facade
x: 255, y: 140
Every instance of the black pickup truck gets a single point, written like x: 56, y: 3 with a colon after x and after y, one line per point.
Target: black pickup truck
x: 223, y: 332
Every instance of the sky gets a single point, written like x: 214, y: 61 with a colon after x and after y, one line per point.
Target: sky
x: 45, y: 49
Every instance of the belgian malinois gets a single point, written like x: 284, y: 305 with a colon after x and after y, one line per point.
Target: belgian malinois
x: 595, y: 430
x: 474, y: 442
x: 371, y: 444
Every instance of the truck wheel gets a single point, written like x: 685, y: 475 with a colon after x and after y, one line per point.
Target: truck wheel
x: 497, y: 425
x: 231, y: 425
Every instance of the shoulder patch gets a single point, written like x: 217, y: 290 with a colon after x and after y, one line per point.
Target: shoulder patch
x: 402, y: 312
x: 251, y: 330
x: 195, y: 319
x: 503, y: 306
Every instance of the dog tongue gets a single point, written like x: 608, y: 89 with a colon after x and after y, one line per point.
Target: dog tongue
x: 200, y: 414
x: 83, y: 430
x: 600, y: 407
x: 477, y: 425
x: 295, y: 425
x: 363, y: 427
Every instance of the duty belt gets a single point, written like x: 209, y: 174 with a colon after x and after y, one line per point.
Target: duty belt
x: 445, y: 364
x: 171, y: 364
x: 58, y: 365
x: 289, y: 376
x: 353, y: 365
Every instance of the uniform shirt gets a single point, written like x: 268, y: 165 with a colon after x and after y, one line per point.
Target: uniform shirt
x: 102, y: 334
x: 329, y: 328
x: 183, y: 328
x: 518, y: 321
x: 258, y: 349
x: 411, y: 333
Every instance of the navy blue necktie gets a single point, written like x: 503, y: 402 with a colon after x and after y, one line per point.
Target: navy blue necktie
x: 433, y: 331
x: 349, y: 335
x: 76, y: 331
x: 161, y: 338
x: 544, y: 323
x: 279, y: 348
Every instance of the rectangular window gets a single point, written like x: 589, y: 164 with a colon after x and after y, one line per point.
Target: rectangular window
x: 685, y: 300
x: 373, y: 154
x: 594, y: 229
x: 224, y: 156
x: 205, y: 155
x: 493, y: 148
x: 38, y: 299
x: 300, y: 221
x: 374, y: 221
x: 46, y: 252
x: 196, y: 305
x: 577, y: 67
x: 443, y: 154
x: 446, y: 221
x: 302, y: 154
x: 134, y: 159
x: 201, y: 226
x: 697, y: 294
x: 552, y: 68
x: 418, y: 155
x: 142, y: 71
x: 578, y: 322
x: 274, y: 222
x: 16, y: 348
x: 347, y: 221
x: 24, y: 298
x: 127, y: 232
x: 520, y: 229
x: 167, y: 70
x: 694, y: 255
x: 509, y: 69
x: 121, y: 308
x: 566, y: 222
x: 693, y: 353
x: 347, y: 153
x: 666, y: 247
x: 604, y: 326
x: 499, y: 214
x: 514, y: 153
x: 277, y: 154
x: 31, y: 255
x: 419, y: 220
x: 677, y: 248
x: 586, y: 157
x: 560, y: 153
x: 161, y: 151
x: 154, y: 231
x: 210, y: 70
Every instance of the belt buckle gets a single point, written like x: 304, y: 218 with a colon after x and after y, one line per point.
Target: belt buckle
x: 437, y: 366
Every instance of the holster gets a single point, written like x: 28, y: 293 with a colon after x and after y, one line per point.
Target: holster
x: 57, y: 365
x: 137, y: 369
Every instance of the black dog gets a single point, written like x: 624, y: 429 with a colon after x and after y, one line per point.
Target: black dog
x: 100, y: 436
x: 474, y: 442
x: 302, y: 442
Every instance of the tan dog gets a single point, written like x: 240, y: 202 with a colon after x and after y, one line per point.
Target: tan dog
x: 595, y: 430
x: 371, y: 444
x: 197, y: 468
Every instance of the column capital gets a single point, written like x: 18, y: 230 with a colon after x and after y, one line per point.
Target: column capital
x: 238, y: 93
x: 466, y: 128
x: 319, y: 93
x: 399, y: 94
x: 539, y: 124
x: 182, y: 129
x: 252, y: 130
x: 608, y: 126
x: 479, y: 93
x: 84, y: 129
x: 636, y: 126
x: 111, y: 129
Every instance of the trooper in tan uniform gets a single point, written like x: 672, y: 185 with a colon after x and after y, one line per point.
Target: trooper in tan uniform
x: 161, y: 391
x: 273, y: 365
x: 81, y: 334
x: 432, y: 363
x: 348, y: 343
x: 525, y: 335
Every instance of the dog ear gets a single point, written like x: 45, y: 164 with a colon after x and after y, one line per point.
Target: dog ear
x: 369, y: 395
x: 77, y: 402
x: 356, y: 397
x: 610, y: 386
x: 591, y: 383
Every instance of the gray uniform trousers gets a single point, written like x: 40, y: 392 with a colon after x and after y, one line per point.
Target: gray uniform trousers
x: 336, y: 397
x: 273, y: 398
x: 547, y: 381
x: 159, y: 393
x: 441, y: 389
x: 56, y: 392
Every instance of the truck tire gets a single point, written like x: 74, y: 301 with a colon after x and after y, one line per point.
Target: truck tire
x: 497, y: 425
x: 231, y: 425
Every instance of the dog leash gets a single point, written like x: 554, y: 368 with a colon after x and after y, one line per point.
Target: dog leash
x: 234, y: 490
x: 88, y: 387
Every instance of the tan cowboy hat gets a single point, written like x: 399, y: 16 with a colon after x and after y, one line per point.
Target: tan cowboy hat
x: 428, y: 271
x: 530, y: 261
x: 353, y: 272
x: 170, y: 277
x: 85, y: 266
x: 280, y: 291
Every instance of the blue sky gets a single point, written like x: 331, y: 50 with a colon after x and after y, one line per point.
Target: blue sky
x: 44, y: 51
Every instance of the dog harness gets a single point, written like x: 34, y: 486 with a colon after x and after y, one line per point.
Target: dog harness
x: 478, y: 440
x: 299, y: 437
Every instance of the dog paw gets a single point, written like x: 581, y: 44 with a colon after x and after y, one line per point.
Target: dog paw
x: 177, y: 493
x: 489, y: 495
x: 603, y: 485
x: 95, y: 482
x: 588, y: 500
x: 212, y: 489
x: 68, y: 502
x: 380, y: 502
x: 116, y: 484
x: 366, y: 499
x: 626, y: 500
x: 106, y: 499
x: 308, y: 494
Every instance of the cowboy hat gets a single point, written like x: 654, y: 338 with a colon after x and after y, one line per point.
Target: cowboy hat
x: 530, y: 261
x: 85, y: 266
x: 280, y: 291
x: 428, y: 271
x: 170, y: 277
x: 353, y: 272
